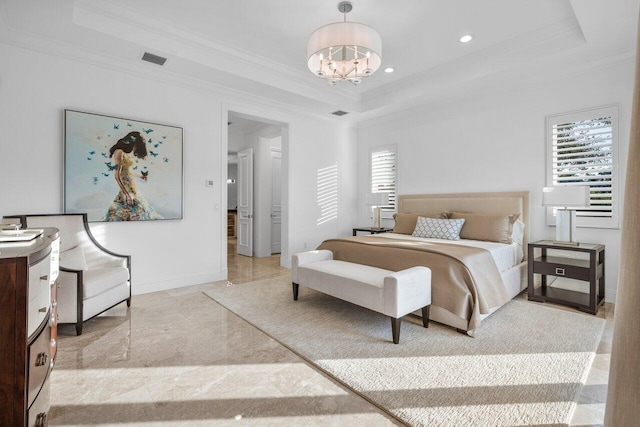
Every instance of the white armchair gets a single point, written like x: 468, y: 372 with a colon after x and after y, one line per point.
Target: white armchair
x: 92, y: 279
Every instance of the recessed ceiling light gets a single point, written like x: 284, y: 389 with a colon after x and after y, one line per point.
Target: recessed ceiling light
x: 389, y: 70
x: 466, y: 38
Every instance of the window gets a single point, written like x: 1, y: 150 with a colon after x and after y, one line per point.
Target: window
x: 582, y: 149
x: 383, y: 175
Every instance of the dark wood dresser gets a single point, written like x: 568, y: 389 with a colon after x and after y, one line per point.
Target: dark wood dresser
x: 28, y: 328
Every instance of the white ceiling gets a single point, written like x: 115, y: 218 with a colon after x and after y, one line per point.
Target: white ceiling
x: 259, y: 46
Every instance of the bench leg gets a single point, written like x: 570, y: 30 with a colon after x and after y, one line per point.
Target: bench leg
x: 425, y: 316
x: 395, y: 329
x: 295, y: 291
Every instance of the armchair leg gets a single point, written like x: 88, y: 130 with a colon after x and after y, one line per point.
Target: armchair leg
x: 78, y: 328
x: 295, y: 291
x: 129, y: 302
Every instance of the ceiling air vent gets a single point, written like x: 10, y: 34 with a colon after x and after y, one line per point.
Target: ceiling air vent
x: 339, y: 113
x: 154, y: 59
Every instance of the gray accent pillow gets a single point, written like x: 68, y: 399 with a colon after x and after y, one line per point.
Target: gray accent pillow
x: 448, y: 229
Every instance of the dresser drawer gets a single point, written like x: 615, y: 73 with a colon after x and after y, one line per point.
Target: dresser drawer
x: 55, y: 261
x: 53, y: 321
x: 39, y: 298
x: 39, y: 353
x: 39, y: 411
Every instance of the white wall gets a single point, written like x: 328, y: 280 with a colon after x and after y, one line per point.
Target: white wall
x: 36, y: 87
x: 496, y: 142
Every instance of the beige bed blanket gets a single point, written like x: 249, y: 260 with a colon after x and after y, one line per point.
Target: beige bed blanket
x: 464, y: 280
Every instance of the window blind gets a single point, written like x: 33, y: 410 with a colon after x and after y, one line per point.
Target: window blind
x: 383, y: 175
x: 583, y: 149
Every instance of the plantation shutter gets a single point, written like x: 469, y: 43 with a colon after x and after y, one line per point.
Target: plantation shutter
x: 582, y: 150
x: 383, y: 174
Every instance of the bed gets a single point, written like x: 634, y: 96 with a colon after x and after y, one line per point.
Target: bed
x: 471, y: 278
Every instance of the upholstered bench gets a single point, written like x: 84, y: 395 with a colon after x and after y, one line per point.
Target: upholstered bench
x: 393, y: 294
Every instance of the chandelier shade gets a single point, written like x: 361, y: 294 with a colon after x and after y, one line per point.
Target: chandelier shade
x: 344, y: 51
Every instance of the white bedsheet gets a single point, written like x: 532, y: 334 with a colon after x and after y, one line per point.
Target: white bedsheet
x: 505, y: 255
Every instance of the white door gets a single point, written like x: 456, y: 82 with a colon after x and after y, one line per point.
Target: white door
x: 276, y: 201
x: 245, y: 202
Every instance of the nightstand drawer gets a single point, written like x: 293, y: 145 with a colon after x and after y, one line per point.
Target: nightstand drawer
x: 562, y: 270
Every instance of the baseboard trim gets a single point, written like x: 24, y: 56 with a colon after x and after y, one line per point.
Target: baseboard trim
x: 610, y: 296
x: 179, y: 282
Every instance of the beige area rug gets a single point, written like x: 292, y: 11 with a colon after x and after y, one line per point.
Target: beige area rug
x: 526, y: 365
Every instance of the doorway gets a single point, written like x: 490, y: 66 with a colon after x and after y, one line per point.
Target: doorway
x: 255, y: 185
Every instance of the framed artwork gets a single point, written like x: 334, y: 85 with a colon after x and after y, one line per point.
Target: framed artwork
x: 119, y: 169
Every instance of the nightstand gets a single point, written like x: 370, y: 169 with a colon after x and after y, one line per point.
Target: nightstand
x: 589, y: 270
x: 371, y: 230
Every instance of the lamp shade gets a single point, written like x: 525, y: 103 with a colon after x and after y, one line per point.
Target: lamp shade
x: 570, y: 196
x: 377, y: 199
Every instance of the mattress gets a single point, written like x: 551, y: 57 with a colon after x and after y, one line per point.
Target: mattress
x: 505, y: 255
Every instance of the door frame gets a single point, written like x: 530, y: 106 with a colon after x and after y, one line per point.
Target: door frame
x: 286, y: 129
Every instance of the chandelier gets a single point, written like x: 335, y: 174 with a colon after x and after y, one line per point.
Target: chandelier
x: 344, y: 50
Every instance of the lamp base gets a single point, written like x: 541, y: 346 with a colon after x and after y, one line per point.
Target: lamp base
x: 565, y: 227
x: 376, y: 217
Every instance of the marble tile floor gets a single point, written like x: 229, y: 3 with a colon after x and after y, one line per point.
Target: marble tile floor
x: 177, y: 358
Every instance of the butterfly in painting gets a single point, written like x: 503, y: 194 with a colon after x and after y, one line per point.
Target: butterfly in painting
x: 156, y: 145
x: 147, y: 131
x: 153, y: 153
x: 129, y: 124
x: 104, y: 155
x: 111, y: 166
x: 98, y: 137
x: 145, y: 175
x: 88, y: 158
x: 94, y: 180
x: 105, y: 174
x: 164, y: 159
x: 115, y: 126
x: 92, y: 152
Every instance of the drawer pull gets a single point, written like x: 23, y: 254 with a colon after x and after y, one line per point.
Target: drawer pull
x: 559, y: 271
x: 44, y: 278
x: 43, y: 310
x: 42, y: 358
x: 41, y: 420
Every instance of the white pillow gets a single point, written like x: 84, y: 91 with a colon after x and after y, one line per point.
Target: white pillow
x: 448, y: 229
x: 517, y: 236
x: 73, y: 259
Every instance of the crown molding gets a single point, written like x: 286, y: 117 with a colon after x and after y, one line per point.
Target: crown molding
x: 128, y: 24
x: 497, y: 85
x: 41, y: 45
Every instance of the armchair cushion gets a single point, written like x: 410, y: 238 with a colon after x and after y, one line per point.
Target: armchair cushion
x: 73, y: 259
x: 101, y: 280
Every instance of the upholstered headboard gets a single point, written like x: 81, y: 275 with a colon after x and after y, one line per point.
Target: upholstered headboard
x: 490, y: 203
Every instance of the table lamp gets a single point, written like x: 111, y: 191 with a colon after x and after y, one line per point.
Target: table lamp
x: 377, y: 200
x: 564, y: 198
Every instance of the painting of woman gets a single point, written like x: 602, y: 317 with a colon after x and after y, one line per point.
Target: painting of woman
x: 129, y: 204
